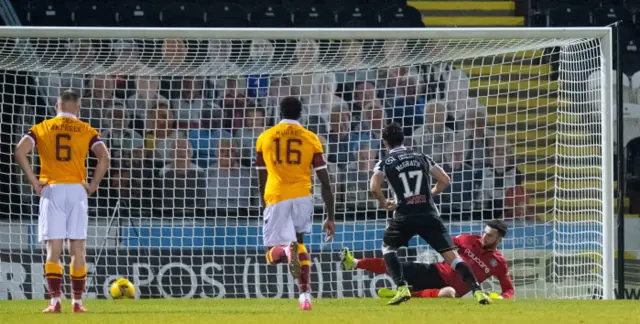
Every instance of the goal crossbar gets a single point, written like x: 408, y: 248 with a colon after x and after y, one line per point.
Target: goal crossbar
x: 302, y: 33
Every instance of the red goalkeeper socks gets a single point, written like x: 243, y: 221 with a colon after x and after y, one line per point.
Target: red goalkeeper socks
x: 276, y: 255
x: 375, y: 265
x: 427, y: 293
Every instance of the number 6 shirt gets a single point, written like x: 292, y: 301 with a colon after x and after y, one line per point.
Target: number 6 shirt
x: 63, y: 143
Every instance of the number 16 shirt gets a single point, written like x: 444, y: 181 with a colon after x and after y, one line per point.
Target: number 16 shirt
x: 63, y: 143
x: 288, y: 152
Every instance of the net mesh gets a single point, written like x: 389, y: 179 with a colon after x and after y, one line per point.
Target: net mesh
x: 515, y: 122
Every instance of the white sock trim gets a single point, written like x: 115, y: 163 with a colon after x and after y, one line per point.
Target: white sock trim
x: 304, y: 297
x: 54, y: 300
x: 455, y: 262
x: 77, y: 301
x: 387, y: 250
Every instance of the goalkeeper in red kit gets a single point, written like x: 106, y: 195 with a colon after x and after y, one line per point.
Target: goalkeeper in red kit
x: 439, y: 279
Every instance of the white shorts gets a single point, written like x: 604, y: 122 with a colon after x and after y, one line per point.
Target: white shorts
x: 63, y: 212
x: 284, y: 219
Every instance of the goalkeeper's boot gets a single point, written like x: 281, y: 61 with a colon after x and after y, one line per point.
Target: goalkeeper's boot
x: 294, y: 262
x: 347, y: 261
x: 402, y: 295
x: 78, y: 308
x: 386, y: 293
x: 481, y: 297
x: 53, y: 308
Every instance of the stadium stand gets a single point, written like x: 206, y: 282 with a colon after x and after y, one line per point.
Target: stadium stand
x: 271, y: 16
x: 48, y: 15
x: 222, y: 14
x: 468, y: 14
x: 356, y: 16
x: 132, y: 14
x: 314, y: 16
x: 181, y: 14
x: 401, y: 16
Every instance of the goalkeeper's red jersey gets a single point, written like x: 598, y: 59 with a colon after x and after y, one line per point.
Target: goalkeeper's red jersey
x: 484, y: 263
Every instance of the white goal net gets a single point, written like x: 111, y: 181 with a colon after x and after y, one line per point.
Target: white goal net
x: 517, y: 117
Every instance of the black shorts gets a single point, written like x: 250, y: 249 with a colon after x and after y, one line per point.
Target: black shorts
x: 402, y: 228
x: 422, y: 276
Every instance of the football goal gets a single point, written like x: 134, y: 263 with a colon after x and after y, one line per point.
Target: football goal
x: 521, y: 119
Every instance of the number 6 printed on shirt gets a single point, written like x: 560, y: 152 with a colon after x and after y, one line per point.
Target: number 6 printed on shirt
x: 63, y: 148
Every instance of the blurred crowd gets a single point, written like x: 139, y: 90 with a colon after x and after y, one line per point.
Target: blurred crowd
x: 188, y: 142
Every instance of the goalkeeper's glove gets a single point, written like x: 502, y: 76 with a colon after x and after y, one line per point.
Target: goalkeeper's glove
x: 494, y: 296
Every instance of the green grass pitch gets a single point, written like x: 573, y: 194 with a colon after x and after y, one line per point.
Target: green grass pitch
x: 329, y: 311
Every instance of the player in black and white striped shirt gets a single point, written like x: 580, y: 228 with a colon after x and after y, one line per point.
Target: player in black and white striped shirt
x: 409, y: 173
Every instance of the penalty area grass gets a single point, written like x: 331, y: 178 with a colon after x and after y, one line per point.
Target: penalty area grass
x: 338, y: 311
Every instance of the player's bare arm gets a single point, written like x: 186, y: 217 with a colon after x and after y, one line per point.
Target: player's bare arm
x: 375, y: 185
x: 22, y: 151
x: 262, y: 184
x: 327, y: 195
x: 442, y: 179
x: 262, y: 174
x: 102, y: 154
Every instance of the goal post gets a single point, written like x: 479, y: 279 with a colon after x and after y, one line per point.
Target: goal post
x: 607, y: 164
x: 521, y: 119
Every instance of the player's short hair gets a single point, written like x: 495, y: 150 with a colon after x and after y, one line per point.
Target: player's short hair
x: 69, y: 95
x: 499, y: 226
x: 291, y: 108
x: 393, y: 135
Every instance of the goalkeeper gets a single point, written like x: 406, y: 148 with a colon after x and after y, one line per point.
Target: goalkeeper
x: 439, y: 279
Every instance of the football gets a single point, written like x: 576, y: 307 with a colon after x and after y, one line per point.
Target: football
x: 122, y: 288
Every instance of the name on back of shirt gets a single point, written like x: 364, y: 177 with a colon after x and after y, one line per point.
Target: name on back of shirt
x: 406, y: 164
x: 66, y: 128
x: 289, y: 132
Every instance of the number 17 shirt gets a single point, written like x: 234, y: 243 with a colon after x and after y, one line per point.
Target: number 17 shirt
x: 63, y: 143
x: 288, y: 152
x: 408, y: 173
